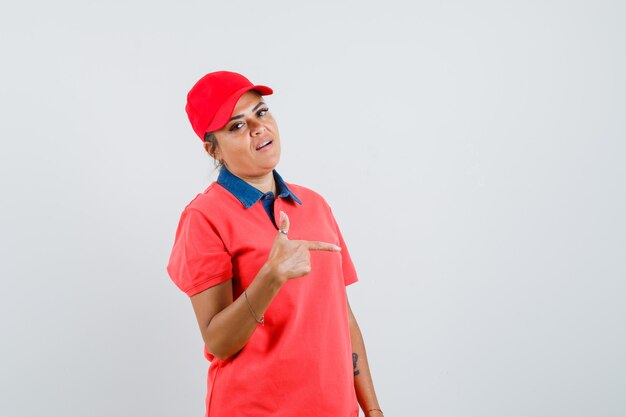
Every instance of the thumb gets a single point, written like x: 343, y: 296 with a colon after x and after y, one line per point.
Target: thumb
x: 284, y: 222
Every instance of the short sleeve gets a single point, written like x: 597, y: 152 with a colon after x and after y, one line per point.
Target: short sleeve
x: 349, y: 272
x: 199, y: 259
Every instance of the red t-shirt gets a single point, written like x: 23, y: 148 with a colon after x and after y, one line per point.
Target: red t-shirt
x: 300, y: 362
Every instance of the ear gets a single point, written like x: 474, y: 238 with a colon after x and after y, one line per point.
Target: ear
x: 207, y: 147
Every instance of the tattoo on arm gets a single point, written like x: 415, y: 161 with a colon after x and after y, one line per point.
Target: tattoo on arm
x: 355, y: 358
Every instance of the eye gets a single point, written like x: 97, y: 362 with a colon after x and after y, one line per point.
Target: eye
x: 236, y: 126
x: 262, y: 112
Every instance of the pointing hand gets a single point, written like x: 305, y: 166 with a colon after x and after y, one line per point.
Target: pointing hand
x: 291, y: 258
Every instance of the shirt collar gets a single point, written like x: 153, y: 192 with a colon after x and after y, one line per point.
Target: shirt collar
x: 247, y: 194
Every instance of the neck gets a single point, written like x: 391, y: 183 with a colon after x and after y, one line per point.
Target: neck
x: 264, y: 183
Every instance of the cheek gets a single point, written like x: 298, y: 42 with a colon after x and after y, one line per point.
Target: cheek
x: 273, y: 126
x: 238, y: 148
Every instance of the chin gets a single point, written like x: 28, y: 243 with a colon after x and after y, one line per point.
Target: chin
x: 274, y: 162
x: 272, y: 167
x: 265, y: 168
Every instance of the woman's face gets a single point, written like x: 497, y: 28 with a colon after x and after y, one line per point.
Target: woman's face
x: 249, y: 144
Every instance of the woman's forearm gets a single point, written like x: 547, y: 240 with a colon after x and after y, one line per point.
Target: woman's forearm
x: 230, y: 329
x: 230, y: 324
x: 363, y: 384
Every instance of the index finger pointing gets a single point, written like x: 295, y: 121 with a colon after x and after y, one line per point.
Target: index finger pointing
x: 323, y: 246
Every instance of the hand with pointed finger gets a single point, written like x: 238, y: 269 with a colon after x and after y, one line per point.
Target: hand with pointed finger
x: 290, y: 259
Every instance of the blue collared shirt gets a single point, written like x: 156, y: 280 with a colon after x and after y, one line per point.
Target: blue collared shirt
x: 249, y: 195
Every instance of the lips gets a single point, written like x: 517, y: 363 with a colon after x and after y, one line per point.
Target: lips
x: 263, y: 144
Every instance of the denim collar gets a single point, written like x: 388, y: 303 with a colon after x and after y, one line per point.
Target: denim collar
x: 247, y: 194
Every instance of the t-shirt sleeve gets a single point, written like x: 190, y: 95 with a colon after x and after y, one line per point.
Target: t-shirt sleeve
x: 349, y: 272
x: 199, y: 259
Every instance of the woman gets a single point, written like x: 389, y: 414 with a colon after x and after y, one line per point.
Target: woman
x: 265, y: 266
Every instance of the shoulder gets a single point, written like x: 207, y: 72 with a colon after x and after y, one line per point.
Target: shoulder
x: 213, y: 195
x: 307, y: 195
x: 214, y: 199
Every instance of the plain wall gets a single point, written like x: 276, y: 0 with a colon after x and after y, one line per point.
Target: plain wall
x: 473, y: 154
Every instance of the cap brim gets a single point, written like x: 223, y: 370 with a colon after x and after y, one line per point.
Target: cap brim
x: 224, y: 113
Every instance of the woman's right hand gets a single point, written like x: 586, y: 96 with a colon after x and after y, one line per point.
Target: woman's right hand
x: 226, y: 324
x: 290, y: 259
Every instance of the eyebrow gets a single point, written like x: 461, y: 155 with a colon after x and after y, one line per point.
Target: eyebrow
x: 239, y: 116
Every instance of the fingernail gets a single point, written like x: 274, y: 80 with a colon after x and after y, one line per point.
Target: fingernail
x: 337, y: 248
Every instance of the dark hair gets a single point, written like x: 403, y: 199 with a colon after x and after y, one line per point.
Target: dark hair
x: 212, y: 140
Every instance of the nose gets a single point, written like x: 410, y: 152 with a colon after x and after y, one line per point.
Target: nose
x: 256, y: 128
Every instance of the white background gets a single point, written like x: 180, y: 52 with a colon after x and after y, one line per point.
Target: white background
x: 473, y: 154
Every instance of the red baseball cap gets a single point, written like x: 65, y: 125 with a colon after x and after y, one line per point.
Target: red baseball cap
x: 211, y: 101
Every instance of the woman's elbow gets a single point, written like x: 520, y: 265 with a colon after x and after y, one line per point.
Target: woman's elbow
x: 216, y: 350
